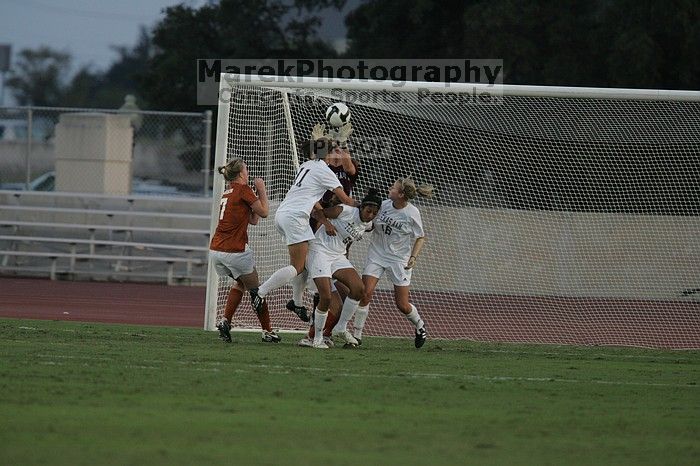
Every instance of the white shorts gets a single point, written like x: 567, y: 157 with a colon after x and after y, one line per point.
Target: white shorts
x: 311, y: 285
x: 294, y: 227
x: 320, y: 264
x: 233, y: 264
x: 395, y: 271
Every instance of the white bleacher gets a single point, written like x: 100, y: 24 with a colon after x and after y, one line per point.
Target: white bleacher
x: 97, y: 236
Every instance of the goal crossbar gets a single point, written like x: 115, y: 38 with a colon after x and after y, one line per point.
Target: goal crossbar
x: 228, y: 80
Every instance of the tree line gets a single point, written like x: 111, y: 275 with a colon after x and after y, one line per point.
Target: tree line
x: 599, y: 43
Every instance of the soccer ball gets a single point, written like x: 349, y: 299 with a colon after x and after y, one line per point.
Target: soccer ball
x: 337, y: 114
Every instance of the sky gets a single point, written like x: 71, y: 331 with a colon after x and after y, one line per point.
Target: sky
x: 87, y: 28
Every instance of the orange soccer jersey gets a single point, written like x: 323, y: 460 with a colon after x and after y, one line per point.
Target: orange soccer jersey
x: 234, y: 211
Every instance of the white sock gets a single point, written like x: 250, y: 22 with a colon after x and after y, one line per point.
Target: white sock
x: 349, y: 307
x: 414, y: 317
x: 360, y: 318
x: 298, y: 287
x: 277, y: 279
x: 319, y: 323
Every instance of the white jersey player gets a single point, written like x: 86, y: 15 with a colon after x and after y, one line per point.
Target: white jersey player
x: 312, y: 180
x: 327, y: 259
x: 396, y: 243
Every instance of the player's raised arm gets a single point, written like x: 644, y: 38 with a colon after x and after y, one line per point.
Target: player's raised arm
x: 261, y: 207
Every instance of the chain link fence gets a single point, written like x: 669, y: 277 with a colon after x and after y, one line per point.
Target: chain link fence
x: 171, y: 150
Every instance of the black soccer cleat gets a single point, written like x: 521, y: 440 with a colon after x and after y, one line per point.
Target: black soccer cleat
x: 270, y: 337
x: 300, y: 311
x: 421, y: 336
x: 256, y: 301
x: 224, y: 330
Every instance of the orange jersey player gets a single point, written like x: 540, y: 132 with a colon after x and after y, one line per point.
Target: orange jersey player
x: 229, y: 250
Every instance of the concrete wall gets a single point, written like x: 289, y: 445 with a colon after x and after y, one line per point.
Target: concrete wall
x: 503, y: 251
x: 498, y: 251
x: 94, y: 153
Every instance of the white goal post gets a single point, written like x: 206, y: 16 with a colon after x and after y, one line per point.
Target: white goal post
x: 561, y: 215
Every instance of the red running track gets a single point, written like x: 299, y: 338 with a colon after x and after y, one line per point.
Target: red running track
x: 122, y: 303
x: 558, y: 320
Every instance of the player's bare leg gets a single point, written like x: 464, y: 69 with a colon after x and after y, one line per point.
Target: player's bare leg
x: 333, y: 315
x: 356, y: 290
x: 324, y: 290
x: 362, y: 311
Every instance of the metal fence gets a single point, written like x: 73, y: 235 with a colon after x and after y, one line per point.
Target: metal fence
x: 171, y: 150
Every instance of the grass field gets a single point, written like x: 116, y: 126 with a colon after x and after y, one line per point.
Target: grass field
x: 74, y: 393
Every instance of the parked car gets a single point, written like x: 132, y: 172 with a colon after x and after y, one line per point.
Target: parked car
x: 45, y: 182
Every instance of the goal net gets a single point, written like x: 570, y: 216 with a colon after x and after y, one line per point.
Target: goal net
x: 560, y: 215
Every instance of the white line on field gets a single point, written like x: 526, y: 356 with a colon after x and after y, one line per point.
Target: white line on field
x: 418, y: 375
x: 563, y: 353
x: 587, y: 355
x: 285, y: 370
x: 89, y: 358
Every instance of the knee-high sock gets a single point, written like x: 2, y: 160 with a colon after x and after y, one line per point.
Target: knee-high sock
x: 298, y: 287
x: 349, y: 307
x: 319, y: 322
x: 264, y: 318
x: 280, y: 278
x: 360, y: 318
x: 232, y: 302
x: 414, y: 317
x: 331, y: 320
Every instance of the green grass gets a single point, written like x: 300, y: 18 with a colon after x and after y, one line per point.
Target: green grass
x: 76, y: 393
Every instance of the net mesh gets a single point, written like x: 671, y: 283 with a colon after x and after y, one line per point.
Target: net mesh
x: 555, y: 220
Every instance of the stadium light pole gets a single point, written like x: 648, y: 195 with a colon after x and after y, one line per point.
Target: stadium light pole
x: 5, y: 52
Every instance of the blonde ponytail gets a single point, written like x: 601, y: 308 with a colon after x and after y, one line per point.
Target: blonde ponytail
x: 232, y: 169
x: 409, y: 189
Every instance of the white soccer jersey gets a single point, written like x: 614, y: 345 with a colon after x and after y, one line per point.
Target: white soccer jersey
x: 313, y: 179
x: 395, y: 231
x: 349, y: 228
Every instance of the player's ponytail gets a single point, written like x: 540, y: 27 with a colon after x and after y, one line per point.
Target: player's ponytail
x: 372, y: 198
x: 232, y: 169
x: 425, y: 190
x: 409, y: 189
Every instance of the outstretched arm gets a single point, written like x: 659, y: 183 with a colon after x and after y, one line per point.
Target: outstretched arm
x: 347, y: 163
x: 417, y: 246
x: 344, y: 198
x: 322, y: 215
